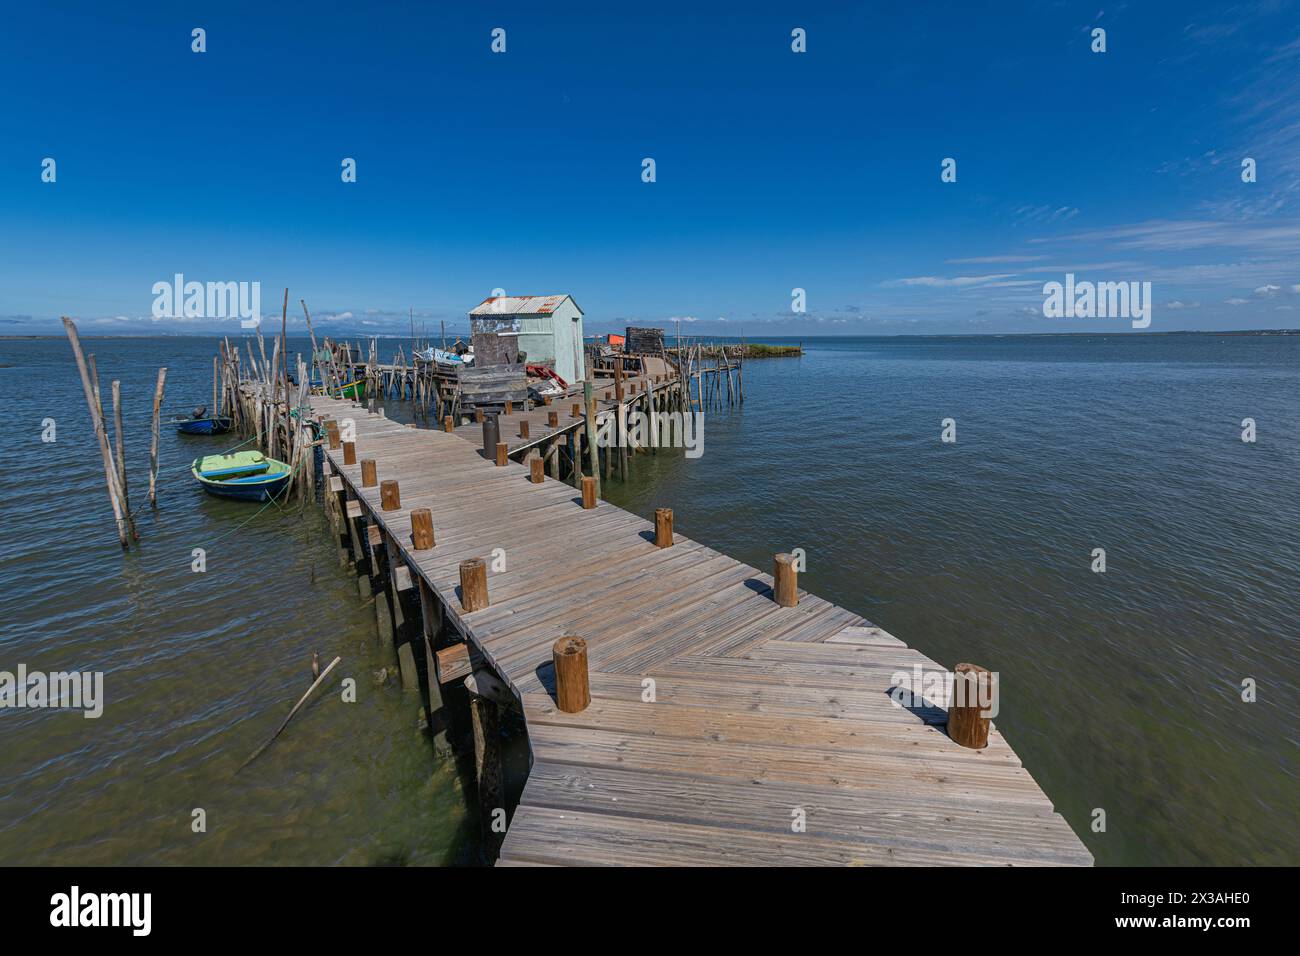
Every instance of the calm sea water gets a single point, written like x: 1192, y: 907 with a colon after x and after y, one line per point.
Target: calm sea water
x: 1121, y: 691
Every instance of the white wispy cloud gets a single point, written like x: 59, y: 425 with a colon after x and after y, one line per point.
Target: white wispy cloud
x: 1166, y: 235
x: 993, y: 260
x: 938, y: 282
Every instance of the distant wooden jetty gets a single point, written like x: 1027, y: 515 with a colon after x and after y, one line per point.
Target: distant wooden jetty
x: 681, y: 707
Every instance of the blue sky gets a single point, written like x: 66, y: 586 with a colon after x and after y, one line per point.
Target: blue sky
x: 775, y: 170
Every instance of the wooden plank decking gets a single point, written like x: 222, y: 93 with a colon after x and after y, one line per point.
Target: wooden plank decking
x: 760, y: 712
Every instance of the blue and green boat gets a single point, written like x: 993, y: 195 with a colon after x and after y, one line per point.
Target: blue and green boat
x: 245, y: 476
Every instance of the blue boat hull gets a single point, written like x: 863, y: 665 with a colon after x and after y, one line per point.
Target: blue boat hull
x: 203, y: 426
x: 263, y: 491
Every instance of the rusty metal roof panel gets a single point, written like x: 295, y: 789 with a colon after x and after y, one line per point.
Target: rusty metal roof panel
x: 518, y: 305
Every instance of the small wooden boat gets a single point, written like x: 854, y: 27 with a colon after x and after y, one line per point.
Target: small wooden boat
x: 202, y: 426
x: 246, y: 475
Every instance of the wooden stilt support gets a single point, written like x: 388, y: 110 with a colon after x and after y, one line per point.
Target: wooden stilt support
x: 593, y: 454
x: 487, y: 766
x: 438, y: 716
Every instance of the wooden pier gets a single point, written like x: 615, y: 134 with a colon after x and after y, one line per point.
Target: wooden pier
x: 727, y: 723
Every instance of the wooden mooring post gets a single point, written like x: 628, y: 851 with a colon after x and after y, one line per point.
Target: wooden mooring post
x: 664, y: 527
x: 972, y: 688
x: 572, y: 683
x: 785, y: 581
x: 473, y: 585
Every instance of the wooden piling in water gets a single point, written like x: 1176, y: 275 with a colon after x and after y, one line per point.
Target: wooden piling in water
x: 153, y: 447
x: 121, y: 449
x: 101, y: 432
x: 485, y: 716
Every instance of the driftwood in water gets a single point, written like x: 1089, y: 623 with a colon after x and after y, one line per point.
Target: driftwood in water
x: 301, y: 700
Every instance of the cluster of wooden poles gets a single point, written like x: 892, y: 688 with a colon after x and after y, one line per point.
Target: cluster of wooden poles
x: 268, y: 406
x: 707, y: 378
x: 114, y: 452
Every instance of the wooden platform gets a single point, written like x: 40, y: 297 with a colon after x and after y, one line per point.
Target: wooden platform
x: 537, y: 418
x: 760, y: 714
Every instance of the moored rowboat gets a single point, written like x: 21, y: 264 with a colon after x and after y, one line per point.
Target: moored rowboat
x: 202, y: 426
x: 246, y: 476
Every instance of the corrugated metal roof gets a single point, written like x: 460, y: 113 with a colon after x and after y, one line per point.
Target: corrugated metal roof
x: 519, y: 305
